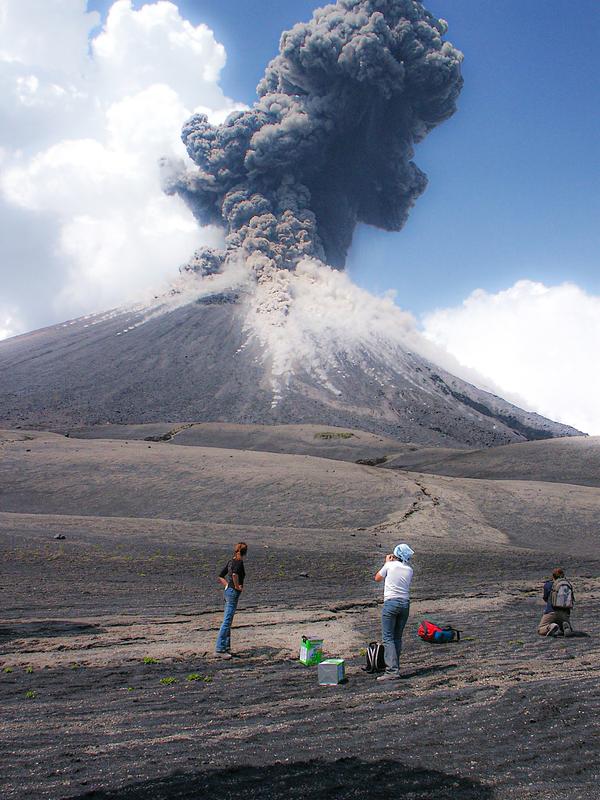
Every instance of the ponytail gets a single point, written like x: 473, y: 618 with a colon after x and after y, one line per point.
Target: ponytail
x: 240, y: 550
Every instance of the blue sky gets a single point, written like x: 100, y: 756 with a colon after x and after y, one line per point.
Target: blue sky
x: 513, y: 190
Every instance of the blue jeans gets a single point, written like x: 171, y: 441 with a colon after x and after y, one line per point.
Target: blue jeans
x: 224, y: 638
x: 393, y: 620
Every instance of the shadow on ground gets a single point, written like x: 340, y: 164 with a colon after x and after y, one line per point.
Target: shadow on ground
x: 42, y: 629
x: 420, y: 672
x: 346, y: 779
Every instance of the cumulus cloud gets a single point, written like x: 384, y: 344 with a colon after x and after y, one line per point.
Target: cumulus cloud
x: 536, y: 342
x: 10, y: 324
x: 86, y: 114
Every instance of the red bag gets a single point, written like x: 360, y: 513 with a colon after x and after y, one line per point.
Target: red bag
x: 430, y: 632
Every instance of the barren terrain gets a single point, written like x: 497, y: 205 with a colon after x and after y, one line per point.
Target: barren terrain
x: 198, y: 363
x: 109, y: 687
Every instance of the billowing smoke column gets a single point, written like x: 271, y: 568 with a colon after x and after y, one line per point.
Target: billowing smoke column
x: 330, y: 140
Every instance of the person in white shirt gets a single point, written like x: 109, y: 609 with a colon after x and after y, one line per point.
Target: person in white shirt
x: 397, y: 574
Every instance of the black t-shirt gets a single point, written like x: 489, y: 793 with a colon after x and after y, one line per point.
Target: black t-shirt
x: 235, y: 566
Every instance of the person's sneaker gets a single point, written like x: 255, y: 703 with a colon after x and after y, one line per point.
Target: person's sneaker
x: 567, y: 629
x: 388, y: 676
x: 553, y: 630
x: 223, y: 654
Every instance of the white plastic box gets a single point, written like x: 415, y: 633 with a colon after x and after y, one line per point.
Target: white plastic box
x: 332, y: 671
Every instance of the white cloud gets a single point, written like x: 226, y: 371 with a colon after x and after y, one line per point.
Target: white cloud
x: 535, y: 341
x: 86, y: 120
x: 52, y: 33
x: 10, y: 324
x: 156, y: 45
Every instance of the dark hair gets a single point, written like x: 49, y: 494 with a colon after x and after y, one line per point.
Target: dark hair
x: 240, y: 549
x: 558, y: 573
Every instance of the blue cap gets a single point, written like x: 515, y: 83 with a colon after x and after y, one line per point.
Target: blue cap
x: 404, y: 552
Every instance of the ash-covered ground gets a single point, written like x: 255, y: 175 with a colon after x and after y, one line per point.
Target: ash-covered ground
x: 202, y: 363
x: 147, y: 524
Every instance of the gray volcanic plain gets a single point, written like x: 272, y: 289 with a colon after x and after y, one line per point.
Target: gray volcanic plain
x: 108, y: 685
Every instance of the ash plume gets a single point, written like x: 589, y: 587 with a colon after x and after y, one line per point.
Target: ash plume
x: 329, y: 143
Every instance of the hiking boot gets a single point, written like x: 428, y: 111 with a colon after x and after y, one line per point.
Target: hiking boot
x: 567, y: 629
x: 223, y: 654
x: 553, y: 629
x: 389, y: 676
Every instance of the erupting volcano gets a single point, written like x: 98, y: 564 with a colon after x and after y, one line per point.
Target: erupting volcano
x: 270, y: 328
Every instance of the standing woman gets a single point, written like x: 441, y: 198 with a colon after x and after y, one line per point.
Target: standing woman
x: 397, y: 574
x: 231, y: 578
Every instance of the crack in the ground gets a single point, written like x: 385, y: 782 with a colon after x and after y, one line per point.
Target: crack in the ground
x: 435, y: 500
x: 426, y: 499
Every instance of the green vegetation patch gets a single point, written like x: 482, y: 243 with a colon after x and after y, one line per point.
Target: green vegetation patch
x: 149, y: 660
x: 195, y: 676
x: 168, y: 681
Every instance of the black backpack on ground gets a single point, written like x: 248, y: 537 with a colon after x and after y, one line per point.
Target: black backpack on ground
x: 375, y: 658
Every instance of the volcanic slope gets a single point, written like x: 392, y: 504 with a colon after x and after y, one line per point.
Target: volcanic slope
x: 106, y: 636
x: 324, y: 441
x: 566, y: 460
x: 198, y: 363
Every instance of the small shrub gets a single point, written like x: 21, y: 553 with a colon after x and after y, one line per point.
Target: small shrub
x: 207, y: 679
x: 30, y: 695
x: 362, y: 652
x: 150, y: 660
x: 29, y: 669
x: 75, y: 665
x: 168, y: 681
x: 7, y: 669
x: 334, y: 435
x: 194, y: 676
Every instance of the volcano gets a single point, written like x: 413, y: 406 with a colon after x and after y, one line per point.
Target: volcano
x: 265, y: 330
x: 210, y: 360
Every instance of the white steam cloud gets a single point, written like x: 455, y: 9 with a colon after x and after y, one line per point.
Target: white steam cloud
x: 540, y: 342
x: 86, y: 115
x: 314, y: 319
x: 10, y: 324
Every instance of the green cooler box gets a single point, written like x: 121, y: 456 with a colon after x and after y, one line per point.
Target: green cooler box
x: 311, y: 651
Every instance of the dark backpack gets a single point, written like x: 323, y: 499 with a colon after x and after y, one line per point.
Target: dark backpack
x: 430, y: 632
x: 375, y: 658
x: 562, y: 595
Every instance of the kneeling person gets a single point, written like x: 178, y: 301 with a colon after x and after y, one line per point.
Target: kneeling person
x: 560, y: 598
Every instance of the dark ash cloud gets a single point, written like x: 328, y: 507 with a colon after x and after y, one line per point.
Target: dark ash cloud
x: 329, y: 143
